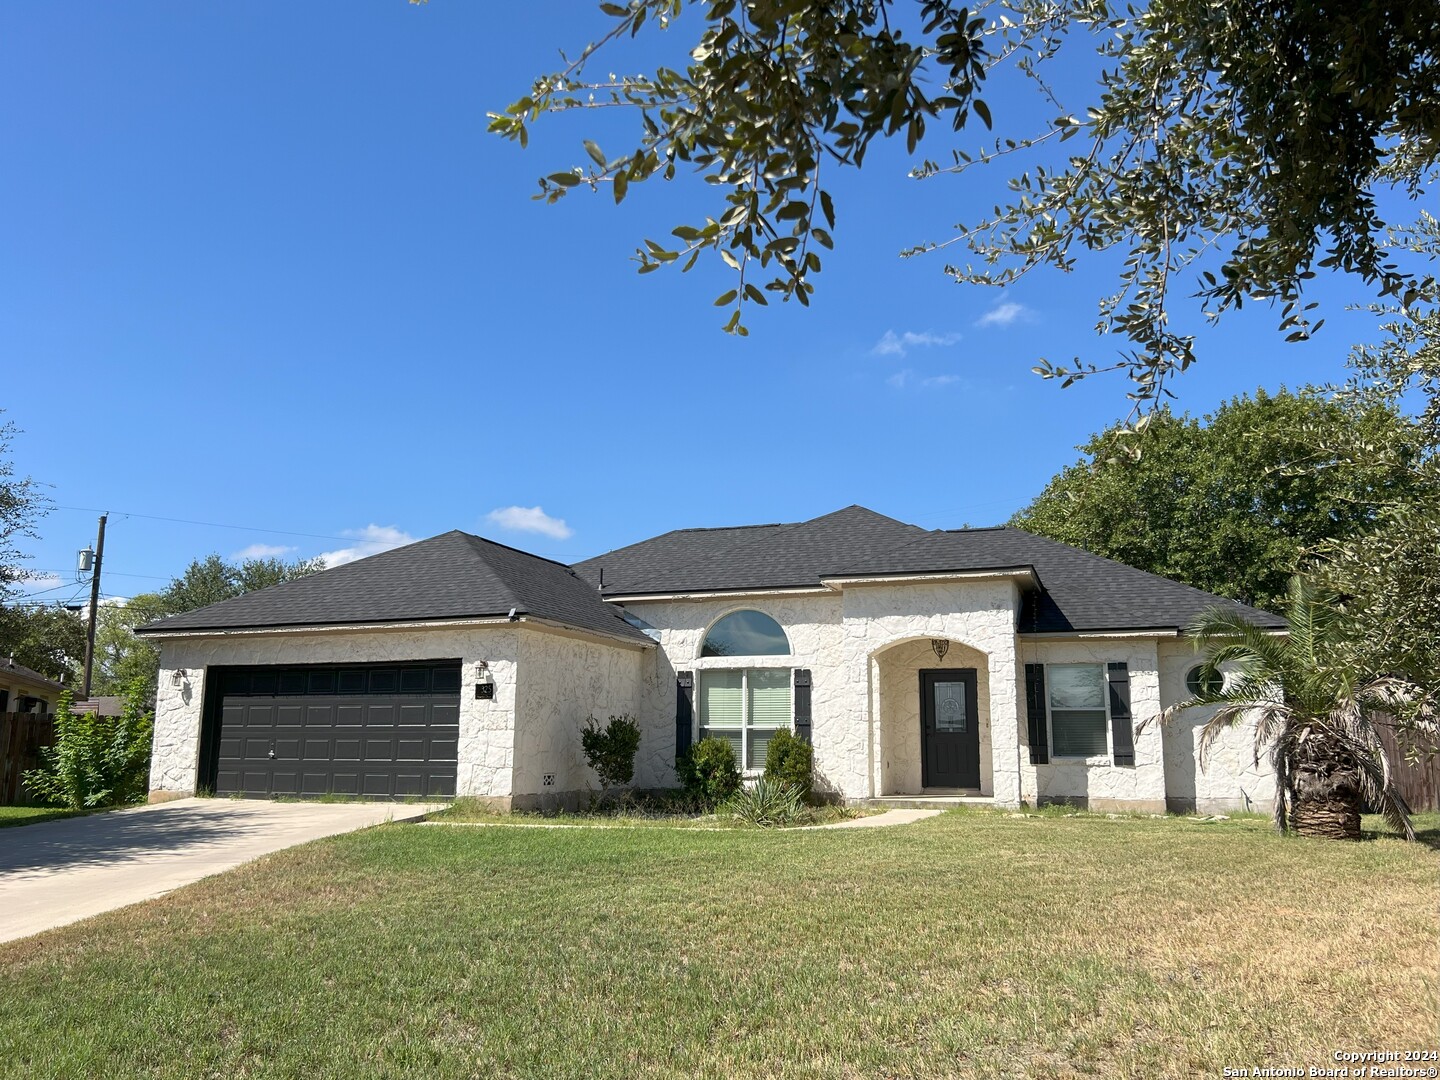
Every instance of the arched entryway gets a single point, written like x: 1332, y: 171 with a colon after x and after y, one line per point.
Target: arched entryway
x: 932, y: 718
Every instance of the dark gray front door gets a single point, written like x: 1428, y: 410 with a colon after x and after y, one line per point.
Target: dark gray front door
x: 381, y: 731
x: 949, y: 729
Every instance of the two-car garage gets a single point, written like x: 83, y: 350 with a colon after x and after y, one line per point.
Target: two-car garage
x: 369, y: 730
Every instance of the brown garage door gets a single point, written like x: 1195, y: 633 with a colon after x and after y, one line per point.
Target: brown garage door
x: 378, y: 731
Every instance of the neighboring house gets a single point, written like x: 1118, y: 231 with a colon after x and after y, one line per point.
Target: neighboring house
x: 100, y: 706
x: 981, y: 661
x: 23, y: 690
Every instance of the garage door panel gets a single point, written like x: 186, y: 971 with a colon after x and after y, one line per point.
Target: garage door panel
x: 339, y: 729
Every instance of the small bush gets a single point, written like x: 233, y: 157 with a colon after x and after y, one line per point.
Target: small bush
x: 790, y: 760
x: 610, y: 750
x: 95, y: 760
x: 708, y: 771
x: 768, y: 803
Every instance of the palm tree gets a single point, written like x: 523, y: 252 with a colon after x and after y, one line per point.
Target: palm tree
x: 1315, y: 712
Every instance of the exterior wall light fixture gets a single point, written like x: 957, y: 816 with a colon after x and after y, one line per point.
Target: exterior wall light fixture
x: 484, y: 682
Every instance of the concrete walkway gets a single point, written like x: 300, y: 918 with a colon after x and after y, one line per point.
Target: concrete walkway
x: 59, y: 872
x: 879, y: 821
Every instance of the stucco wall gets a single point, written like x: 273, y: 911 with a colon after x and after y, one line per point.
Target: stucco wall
x: 563, y: 681
x: 1231, y: 778
x: 486, y: 750
x: 1138, y: 786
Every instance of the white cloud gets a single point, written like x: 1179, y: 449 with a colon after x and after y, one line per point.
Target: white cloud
x: 907, y: 377
x: 261, y: 551
x: 370, y: 540
x: 33, y: 581
x: 893, y: 344
x: 530, y: 519
x: 1004, y: 313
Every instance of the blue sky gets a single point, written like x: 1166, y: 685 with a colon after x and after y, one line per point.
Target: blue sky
x: 264, y: 268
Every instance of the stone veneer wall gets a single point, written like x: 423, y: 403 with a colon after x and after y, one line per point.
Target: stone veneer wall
x: 1231, y: 778
x: 840, y: 638
x: 563, y: 681
x: 1105, y: 785
x: 812, y: 623
x: 486, y: 751
x: 979, y: 615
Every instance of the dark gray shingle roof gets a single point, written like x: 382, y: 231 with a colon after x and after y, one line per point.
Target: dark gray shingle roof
x: 9, y: 667
x: 758, y: 557
x: 1079, y: 591
x: 451, y: 576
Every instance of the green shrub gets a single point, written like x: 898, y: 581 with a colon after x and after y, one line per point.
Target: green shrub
x: 95, y: 760
x: 768, y: 803
x: 708, y: 771
x: 610, y: 750
x: 790, y: 760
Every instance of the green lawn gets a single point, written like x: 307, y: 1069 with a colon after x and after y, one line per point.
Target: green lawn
x: 29, y: 815
x: 975, y: 944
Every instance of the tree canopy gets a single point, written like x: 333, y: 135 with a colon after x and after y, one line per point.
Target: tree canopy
x: 20, y: 507
x: 1236, y: 502
x: 123, y: 661
x: 1233, y: 147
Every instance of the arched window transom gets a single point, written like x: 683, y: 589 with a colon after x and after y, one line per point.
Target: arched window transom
x: 746, y: 633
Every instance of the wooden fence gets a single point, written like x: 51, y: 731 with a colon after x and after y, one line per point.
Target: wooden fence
x: 1420, y: 784
x: 21, y: 737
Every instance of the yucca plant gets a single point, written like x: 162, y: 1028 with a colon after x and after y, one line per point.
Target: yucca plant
x: 767, y: 803
x: 1316, y: 712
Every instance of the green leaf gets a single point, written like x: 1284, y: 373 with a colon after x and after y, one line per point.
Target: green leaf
x: 596, y: 154
x: 563, y: 179
x: 726, y: 298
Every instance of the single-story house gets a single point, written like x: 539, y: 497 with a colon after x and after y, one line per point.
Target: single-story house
x: 25, y: 690
x: 987, y: 662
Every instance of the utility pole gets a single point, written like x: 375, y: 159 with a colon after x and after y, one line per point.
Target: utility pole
x: 94, y: 604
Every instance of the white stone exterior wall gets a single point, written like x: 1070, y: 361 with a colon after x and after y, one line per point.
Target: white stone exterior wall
x: 1230, y: 777
x: 899, y: 697
x: 487, y: 728
x: 563, y: 681
x: 979, y: 615
x: 843, y: 638
x: 864, y: 647
x: 1102, y: 783
x: 812, y: 623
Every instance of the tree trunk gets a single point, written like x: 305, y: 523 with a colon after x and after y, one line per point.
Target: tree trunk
x: 1328, y: 796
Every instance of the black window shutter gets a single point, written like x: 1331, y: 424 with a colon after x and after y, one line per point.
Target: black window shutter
x: 802, y: 704
x: 1122, y: 734
x: 1035, y: 712
x: 684, y: 711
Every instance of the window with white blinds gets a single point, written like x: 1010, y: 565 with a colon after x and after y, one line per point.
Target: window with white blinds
x: 745, y: 708
x: 1079, y: 720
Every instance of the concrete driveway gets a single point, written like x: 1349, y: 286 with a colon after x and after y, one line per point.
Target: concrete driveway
x: 59, y: 872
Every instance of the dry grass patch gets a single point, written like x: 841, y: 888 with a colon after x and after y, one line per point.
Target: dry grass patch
x: 974, y: 944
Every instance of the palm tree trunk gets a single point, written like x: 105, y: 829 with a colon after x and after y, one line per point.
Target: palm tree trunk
x: 1328, y: 797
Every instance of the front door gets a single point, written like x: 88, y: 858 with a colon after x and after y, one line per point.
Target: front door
x: 949, y: 729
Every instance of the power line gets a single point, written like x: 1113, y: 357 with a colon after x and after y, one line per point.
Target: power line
x: 214, y: 524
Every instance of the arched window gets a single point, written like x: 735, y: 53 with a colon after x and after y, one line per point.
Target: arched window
x: 746, y: 633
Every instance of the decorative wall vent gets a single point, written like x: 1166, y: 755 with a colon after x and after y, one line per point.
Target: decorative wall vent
x: 547, y: 780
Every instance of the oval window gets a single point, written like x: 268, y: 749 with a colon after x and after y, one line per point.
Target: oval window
x: 746, y: 633
x: 1199, y: 686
